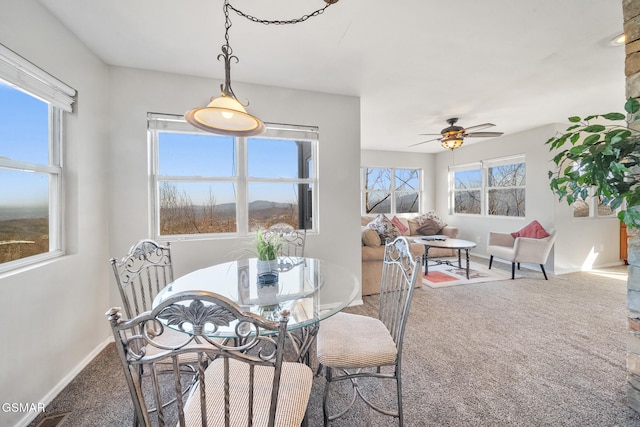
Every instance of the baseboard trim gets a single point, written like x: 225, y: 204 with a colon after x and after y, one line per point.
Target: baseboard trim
x: 48, y: 398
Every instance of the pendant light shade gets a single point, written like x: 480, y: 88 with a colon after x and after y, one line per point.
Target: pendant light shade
x: 225, y: 115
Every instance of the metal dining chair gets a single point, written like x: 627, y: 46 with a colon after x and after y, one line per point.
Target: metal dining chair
x: 350, y: 346
x: 243, y: 382
x: 291, y: 244
x: 292, y: 241
x: 141, y: 274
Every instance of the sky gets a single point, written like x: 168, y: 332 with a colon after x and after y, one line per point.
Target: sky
x: 213, y: 155
x: 23, y: 137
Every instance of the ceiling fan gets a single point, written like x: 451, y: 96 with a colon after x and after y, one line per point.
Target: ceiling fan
x: 452, y: 137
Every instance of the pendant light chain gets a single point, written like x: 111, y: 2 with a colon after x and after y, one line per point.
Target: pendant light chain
x: 225, y: 115
x: 278, y: 21
x: 227, y: 54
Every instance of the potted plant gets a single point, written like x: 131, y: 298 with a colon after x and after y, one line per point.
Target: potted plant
x: 267, y: 246
x: 600, y: 160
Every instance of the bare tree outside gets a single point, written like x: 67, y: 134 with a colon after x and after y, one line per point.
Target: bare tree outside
x: 378, y: 191
x: 179, y: 215
x: 507, y: 190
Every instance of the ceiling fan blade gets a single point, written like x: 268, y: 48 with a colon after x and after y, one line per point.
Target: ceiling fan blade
x: 478, y: 127
x: 424, y: 142
x: 427, y: 134
x: 483, y: 134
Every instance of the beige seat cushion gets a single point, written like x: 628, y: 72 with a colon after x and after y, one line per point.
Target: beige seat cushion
x: 173, y: 338
x: 353, y: 341
x: 295, y: 387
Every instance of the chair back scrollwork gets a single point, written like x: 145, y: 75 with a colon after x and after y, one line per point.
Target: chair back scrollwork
x: 141, y: 274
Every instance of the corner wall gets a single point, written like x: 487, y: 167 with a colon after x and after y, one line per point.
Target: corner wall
x: 53, y: 313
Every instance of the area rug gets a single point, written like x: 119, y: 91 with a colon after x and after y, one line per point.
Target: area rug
x: 444, y: 275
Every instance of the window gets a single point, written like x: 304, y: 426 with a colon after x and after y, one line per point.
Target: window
x: 207, y: 184
x: 390, y: 190
x: 491, y: 187
x: 505, y: 188
x: 593, y: 207
x: 31, y: 109
x: 467, y: 191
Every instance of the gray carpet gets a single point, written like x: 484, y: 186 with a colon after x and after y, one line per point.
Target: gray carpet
x: 526, y: 352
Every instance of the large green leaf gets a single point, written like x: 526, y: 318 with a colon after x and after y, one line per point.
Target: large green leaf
x: 614, y: 116
x: 594, y: 128
x: 632, y: 106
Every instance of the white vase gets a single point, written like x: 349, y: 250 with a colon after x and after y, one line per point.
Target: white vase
x: 267, y: 266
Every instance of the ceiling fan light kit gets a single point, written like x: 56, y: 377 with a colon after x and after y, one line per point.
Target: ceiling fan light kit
x: 453, y: 136
x: 451, y: 142
x: 226, y: 115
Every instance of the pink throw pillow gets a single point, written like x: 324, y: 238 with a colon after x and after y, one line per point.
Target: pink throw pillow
x: 399, y: 225
x: 533, y: 230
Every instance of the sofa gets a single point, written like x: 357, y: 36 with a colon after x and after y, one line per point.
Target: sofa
x: 375, y: 235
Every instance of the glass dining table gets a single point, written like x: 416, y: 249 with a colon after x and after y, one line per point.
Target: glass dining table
x: 309, y: 289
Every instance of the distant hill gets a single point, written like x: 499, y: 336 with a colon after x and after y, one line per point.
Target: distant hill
x: 253, y: 206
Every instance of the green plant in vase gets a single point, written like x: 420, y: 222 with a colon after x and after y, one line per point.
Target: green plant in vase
x: 602, y: 161
x: 267, y: 246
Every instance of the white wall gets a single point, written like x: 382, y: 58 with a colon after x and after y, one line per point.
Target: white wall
x: 53, y: 314
x: 397, y: 159
x: 580, y: 244
x: 133, y: 93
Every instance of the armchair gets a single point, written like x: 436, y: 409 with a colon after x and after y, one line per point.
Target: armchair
x: 520, y: 249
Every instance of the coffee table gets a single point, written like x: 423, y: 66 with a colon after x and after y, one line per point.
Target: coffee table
x: 447, y: 243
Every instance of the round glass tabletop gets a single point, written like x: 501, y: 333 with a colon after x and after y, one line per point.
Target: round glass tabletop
x: 310, y: 289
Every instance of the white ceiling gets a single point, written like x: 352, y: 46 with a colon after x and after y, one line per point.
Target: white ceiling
x: 414, y: 63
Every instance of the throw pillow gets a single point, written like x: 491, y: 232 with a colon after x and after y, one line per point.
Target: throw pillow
x: 431, y: 216
x: 399, y: 225
x: 385, y: 228
x: 533, y: 230
x: 429, y: 228
x: 370, y: 237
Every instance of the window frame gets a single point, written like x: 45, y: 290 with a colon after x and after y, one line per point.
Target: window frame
x: 158, y: 122
x: 484, y: 166
x: 26, y: 77
x: 392, y: 189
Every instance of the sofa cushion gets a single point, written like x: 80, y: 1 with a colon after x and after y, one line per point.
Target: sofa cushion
x: 533, y: 230
x: 365, y: 220
x: 429, y: 228
x: 413, y: 227
x: 384, y: 227
x: 370, y: 237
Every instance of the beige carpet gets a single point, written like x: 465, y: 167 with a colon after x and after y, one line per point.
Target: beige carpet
x: 524, y: 352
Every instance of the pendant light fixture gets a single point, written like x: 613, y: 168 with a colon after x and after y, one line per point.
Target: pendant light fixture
x: 225, y: 115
